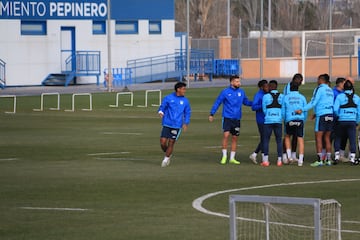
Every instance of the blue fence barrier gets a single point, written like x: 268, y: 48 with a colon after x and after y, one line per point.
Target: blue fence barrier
x: 121, y: 77
x: 227, y: 67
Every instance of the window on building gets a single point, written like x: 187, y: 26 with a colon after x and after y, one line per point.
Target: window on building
x: 154, y: 27
x: 126, y: 27
x: 99, y: 27
x: 33, y: 28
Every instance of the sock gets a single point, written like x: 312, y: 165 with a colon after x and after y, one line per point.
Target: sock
x: 166, y: 158
x: 342, y: 153
x: 323, y: 154
x: 285, y: 156
x: 265, y: 158
x: 254, y: 154
x: 328, y: 156
x: 319, y: 156
x: 352, y: 157
x: 224, y: 152
x: 279, y: 159
x: 288, y: 153
x: 301, y: 158
x: 337, y: 155
x: 293, y: 155
x: 232, y: 155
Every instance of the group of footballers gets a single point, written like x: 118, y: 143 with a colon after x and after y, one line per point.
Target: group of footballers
x: 336, y: 115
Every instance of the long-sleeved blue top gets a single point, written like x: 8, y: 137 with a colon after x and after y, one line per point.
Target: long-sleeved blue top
x: 292, y: 102
x: 257, y: 106
x: 232, y: 100
x: 345, y: 111
x: 271, y: 108
x: 176, y: 110
x: 322, y: 100
x: 336, y: 92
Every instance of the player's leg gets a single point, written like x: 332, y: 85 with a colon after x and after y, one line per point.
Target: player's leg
x: 351, y: 132
x: 294, y: 144
x: 267, y: 136
x: 301, y: 147
x: 225, y: 138
x: 163, y: 143
x: 278, y: 138
x: 328, y: 147
x: 235, y: 132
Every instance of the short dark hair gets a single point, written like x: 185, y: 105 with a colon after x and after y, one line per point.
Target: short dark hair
x: 348, y: 85
x: 262, y: 83
x: 298, y: 77
x: 179, y: 85
x: 340, y: 80
x: 232, y: 77
x: 273, y: 84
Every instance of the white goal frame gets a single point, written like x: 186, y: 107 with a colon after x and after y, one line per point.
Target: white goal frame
x: 266, y: 200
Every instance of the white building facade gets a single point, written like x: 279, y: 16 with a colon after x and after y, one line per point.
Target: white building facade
x: 38, y: 36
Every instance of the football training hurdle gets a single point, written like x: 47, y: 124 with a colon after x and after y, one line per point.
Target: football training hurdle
x: 146, y: 98
x: 124, y: 93
x: 11, y: 96
x: 42, y: 101
x: 73, y: 102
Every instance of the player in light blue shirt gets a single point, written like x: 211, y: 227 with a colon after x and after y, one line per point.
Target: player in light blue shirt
x: 294, y: 123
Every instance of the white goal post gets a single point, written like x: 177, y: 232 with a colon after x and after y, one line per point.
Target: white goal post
x: 254, y: 217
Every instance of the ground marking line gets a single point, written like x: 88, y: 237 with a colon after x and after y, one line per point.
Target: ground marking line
x: 107, y: 153
x: 121, y: 159
x: 8, y: 159
x: 54, y: 209
x: 119, y: 133
x: 197, y: 203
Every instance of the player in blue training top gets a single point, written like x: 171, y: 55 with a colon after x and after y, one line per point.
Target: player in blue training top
x: 260, y: 117
x: 322, y: 101
x: 175, y: 112
x: 232, y: 99
x: 271, y: 105
x: 294, y: 123
x: 297, y: 78
x: 347, y: 110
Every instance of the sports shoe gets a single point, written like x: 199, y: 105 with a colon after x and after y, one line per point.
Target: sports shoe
x: 279, y: 163
x: 233, y: 161
x: 223, y: 160
x: 165, y: 163
x: 328, y: 163
x: 265, y: 164
x: 344, y: 159
x: 317, y: 164
x: 286, y: 160
x: 300, y: 163
x: 253, y: 158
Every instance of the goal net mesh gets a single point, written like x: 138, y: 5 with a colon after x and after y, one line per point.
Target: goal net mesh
x: 284, y: 221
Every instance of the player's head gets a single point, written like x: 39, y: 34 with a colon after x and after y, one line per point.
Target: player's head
x: 294, y: 86
x: 273, y: 85
x: 348, y: 85
x: 324, y: 78
x: 235, y: 81
x: 263, y: 85
x: 180, y: 88
x: 340, y: 82
x: 298, y: 77
x: 351, y: 79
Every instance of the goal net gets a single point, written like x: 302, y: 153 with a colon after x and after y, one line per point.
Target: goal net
x: 284, y: 218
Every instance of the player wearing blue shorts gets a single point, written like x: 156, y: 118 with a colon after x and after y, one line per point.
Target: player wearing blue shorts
x: 232, y: 99
x: 175, y: 112
x: 322, y: 102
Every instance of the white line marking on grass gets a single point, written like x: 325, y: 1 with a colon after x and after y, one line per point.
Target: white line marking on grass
x: 351, y: 222
x: 107, y: 153
x: 121, y: 133
x: 120, y: 159
x: 197, y: 203
x: 8, y: 159
x: 54, y: 209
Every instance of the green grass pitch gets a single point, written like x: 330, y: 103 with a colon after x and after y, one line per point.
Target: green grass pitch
x: 103, y: 166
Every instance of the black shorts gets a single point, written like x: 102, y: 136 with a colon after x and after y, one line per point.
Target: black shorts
x: 171, y: 133
x: 324, y: 123
x: 232, y: 126
x: 295, y: 128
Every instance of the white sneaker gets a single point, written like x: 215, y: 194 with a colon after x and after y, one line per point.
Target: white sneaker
x: 252, y: 157
x: 344, y: 159
x: 300, y: 163
x: 165, y: 163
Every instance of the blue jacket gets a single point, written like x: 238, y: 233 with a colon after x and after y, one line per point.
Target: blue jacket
x: 336, y: 92
x: 232, y: 100
x: 272, y: 108
x: 287, y: 90
x: 322, y: 100
x: 345, y: 111
x: 257, y: 106
x: 292, y: 102
x: 176, y: 109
